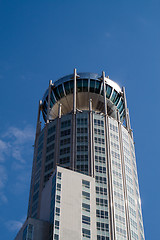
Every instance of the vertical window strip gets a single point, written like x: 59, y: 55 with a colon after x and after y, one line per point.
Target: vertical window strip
x: 86, y: 221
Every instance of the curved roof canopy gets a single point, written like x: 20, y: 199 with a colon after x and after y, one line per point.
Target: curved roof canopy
x: 89, y: 86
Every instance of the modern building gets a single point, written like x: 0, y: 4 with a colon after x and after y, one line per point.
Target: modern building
x: 84, y: 182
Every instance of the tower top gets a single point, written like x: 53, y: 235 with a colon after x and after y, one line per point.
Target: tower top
x: 88, y: 86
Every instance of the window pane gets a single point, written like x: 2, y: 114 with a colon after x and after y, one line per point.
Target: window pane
x: 86, y: 207
x: 108, y: 91
x: 56, y: 93
x: 79, y: 85
x: 52, y: 98
x: 85, y: 85
x: 85, y: 220
x: 92, y: 85
x: 67, y: 88
x: 86, y: 195
x: 71, y: 86
x: 114, y: 95
x: 120, y: 104
x: 86, y: 183
x: 117, y: 99
x: 60, y: 89
x: 98, y: 87
x: 86, y: 233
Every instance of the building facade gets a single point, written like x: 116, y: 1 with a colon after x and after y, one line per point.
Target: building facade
x: 84, y: 180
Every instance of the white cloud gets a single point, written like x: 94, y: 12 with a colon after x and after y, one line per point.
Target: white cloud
x: 14, y: 143
x: 14, y: 225
x: 15, y: 151
x: 3, y: 198
x: 4, y: 146
x: 3, y: 181
x: 3, y: 177
x: 20, y: 136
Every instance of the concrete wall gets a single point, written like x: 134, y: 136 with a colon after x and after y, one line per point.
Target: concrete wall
x: 71, y: 205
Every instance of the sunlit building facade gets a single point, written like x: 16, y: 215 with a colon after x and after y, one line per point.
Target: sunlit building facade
x: 84, y: 182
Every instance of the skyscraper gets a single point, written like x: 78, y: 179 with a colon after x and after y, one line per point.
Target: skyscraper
x: 84, y: 182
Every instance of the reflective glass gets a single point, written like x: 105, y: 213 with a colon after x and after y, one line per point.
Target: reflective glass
x: 117, y: 99
x: 120, y: 104
x: 79, y: 85
x: 98, y: 87
x: 85, y: 85
x: 92, y: 85
x: 71, y: 86
x: 121, y: 108
x: 60, y: 89
x: 114, y: 95
x: 108, y: 91
x: 52, y: 98
x: 85, y: 220
x: 102, y: 90
x: 56, y: 93
x: 67, y: 88
x: 45, y: 107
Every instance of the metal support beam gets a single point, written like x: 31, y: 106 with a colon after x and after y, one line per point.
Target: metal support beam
x: 91, y: 152
x: 75, y: 91
x: 124, y: 178
x: 109, y: 172
x: 73, y: 146
x: 59, y: 110
x: 57, y: 143
x: 49, y: 99
x: 38, y: 127
x: 126, y: 110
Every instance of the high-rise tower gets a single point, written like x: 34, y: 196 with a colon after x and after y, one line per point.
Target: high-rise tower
x: 84, y: 182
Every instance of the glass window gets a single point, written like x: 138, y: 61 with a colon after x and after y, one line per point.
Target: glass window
x: 52, y: 98
x: 120, y: 104
x: 114, y: 95
x: 92, y: 85
x: 98, y: 87
x: 102, y: 90
x: 30, y: 232
x: 59, y: 175
x: 86, y: 207
x: 56, y: 237
x: 86, y: 183
x: 67, y: 88
x: 85, y: 220
x: 85, y: 85
x: 66, y: 124
x: 121, y: 108
x: 45, y: 107
x: 86, y: 233
x: 64, y: 160
x: 58, y: 198
x: 56, y: 224
x: 79, y: 85
x: 25, y: 233
x: 60, y: 89
x: 56, y: 93
x: 65, y: 132
x: 71, y: 86
x: 58, y: 186
x: 117, y: 99
x: 108, y: 91
x: 57, y: 211
x: 86, y: 195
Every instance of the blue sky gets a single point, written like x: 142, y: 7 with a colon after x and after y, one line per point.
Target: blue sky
x: 43, y: 40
